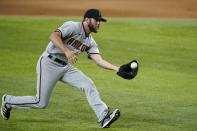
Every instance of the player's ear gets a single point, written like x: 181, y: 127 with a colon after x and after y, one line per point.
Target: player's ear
x: 86, y: 19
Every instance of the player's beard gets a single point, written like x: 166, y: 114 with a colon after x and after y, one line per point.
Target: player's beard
x: 92, y: 28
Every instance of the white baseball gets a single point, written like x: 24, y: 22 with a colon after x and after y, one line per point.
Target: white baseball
x: 133, y: 65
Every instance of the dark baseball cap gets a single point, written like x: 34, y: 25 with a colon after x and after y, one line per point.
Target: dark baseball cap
x: 94, y: 13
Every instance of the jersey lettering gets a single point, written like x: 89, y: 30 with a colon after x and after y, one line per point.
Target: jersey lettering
x: 70, y: 41
x: 77, y: 44
x: 83, y: 48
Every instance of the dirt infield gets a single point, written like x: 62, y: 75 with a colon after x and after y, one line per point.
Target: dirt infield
x: 115, y: 8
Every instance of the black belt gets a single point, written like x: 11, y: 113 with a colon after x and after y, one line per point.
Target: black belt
x: 57, y: 60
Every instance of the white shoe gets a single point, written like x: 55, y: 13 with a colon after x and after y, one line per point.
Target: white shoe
x: 110, y: 118
x: 5, y: 111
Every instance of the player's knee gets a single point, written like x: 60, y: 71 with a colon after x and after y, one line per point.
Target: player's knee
x: 89, y: 84
x: 90, y: 87
x: 42, y: 105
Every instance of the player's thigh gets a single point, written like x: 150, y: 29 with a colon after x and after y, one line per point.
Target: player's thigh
x: 47, y: 76
x: 76, y: 78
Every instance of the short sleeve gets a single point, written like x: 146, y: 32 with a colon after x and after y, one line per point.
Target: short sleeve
x: 93, y: 49
x: 66, y: 29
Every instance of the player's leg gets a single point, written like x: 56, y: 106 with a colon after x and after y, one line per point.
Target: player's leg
x: 46, y: 80
x: 78, y: 79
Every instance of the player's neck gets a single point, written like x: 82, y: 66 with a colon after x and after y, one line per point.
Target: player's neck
x: 86, y: 28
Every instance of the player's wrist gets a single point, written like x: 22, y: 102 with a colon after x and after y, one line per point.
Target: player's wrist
x: 116, y: 68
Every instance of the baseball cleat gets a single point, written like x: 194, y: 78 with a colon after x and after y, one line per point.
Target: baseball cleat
x: 5, y: 111
x: 110, y: 118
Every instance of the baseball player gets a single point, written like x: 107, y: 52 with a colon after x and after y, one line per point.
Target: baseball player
x: 56, y: 64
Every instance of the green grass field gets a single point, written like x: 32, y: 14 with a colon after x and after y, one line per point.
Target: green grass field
x: 162, y: 97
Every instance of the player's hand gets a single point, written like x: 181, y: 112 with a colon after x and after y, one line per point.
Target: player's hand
x: 72, y: 58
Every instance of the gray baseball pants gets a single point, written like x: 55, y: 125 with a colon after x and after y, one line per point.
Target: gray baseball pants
x: 49, y: 73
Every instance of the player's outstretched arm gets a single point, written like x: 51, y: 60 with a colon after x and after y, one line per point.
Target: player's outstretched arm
x: 103, y: 63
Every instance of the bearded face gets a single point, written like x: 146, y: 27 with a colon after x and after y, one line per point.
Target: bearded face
x: 93, y: 25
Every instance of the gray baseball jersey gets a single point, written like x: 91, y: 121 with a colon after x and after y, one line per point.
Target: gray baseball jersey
x: 74, y: 38
x: 51, y: 69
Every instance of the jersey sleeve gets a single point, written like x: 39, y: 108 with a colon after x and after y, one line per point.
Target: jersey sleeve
x: 66, y: 29
x: 93, y: 49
